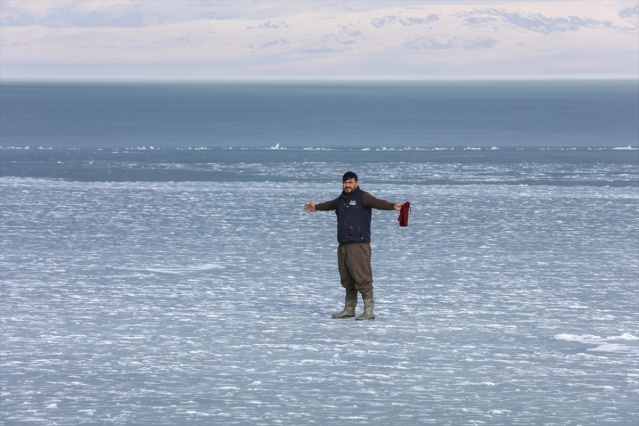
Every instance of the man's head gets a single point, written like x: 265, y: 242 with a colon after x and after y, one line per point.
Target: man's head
x: 349, y: 182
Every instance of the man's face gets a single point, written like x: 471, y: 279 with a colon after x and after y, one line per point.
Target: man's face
x: 348, y: 186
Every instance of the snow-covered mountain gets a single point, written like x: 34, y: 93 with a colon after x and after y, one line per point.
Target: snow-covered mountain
x: 321, y: 38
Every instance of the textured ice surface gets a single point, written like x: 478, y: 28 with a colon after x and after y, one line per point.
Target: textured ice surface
x: 209, y: 303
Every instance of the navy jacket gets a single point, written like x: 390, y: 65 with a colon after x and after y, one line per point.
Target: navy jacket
x: 353, y: 219
x: 354, y: 215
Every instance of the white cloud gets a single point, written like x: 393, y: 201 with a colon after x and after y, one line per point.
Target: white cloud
x: 167, y: 38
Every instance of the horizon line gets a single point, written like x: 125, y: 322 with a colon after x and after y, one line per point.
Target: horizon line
x: 296, y: 78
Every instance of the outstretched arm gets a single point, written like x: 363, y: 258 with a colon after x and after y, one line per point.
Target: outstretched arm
x: 375, y: 203
x: 325, y: 206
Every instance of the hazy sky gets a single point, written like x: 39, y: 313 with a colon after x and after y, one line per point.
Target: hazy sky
x: 318, y: 39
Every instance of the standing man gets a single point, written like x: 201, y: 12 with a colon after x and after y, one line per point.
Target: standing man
x: 354, y: 211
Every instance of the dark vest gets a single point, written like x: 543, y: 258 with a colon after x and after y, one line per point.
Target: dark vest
x: 353, y: 219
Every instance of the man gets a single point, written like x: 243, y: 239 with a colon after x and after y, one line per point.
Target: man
x: 354, y: 210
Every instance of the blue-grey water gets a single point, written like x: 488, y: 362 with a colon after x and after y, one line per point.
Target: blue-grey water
x: 410, y: 114
x: 157, y: 266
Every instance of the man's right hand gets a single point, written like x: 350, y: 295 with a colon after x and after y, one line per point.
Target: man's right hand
x: 309, y: 207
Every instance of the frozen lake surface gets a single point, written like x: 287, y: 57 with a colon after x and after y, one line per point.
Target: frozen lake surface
x: 511, y: 299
